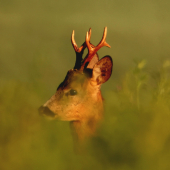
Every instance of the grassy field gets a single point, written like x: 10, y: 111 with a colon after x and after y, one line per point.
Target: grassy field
x: 35, y: 55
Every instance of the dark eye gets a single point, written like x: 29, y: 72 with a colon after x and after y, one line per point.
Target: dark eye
x: 73, y: 92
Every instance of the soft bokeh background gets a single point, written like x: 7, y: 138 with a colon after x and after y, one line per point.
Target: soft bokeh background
x: 36, y: 53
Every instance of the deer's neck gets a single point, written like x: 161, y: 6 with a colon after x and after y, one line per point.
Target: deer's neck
x: 86, y: 126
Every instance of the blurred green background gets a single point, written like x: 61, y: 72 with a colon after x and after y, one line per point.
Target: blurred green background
x: 35, y: 55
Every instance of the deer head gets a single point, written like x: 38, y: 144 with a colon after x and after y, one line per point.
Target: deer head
x: 78, y: 98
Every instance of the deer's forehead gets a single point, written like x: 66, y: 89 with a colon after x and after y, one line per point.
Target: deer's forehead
x: 74, y: 78
x: 75, y: 75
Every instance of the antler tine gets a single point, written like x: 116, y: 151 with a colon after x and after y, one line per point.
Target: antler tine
x: 93, y: 49
x: 103, y: 41
x: 88, y: 36
x: 73, y: 41
x: 76, y: 48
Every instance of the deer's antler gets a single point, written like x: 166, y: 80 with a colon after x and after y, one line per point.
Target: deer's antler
x: 93, y: 49
x: 75, y: 46
x: 79, y: 50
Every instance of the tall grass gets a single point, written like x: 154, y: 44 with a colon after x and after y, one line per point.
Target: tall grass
x: 134, y: 135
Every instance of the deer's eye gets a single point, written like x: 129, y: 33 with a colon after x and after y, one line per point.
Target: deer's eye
x: 73, y: 92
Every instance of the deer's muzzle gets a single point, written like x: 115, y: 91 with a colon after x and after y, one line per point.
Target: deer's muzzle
x: 46, y: 112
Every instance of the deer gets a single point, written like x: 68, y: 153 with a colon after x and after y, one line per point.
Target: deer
x: 78, y: 98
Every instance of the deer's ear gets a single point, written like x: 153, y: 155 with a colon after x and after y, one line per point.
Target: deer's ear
x: 102, y: 70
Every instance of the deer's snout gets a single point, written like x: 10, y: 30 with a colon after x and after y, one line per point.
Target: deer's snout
x: 46, y: 111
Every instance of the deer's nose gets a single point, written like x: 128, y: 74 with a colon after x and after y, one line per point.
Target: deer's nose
x: 45, y: 111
